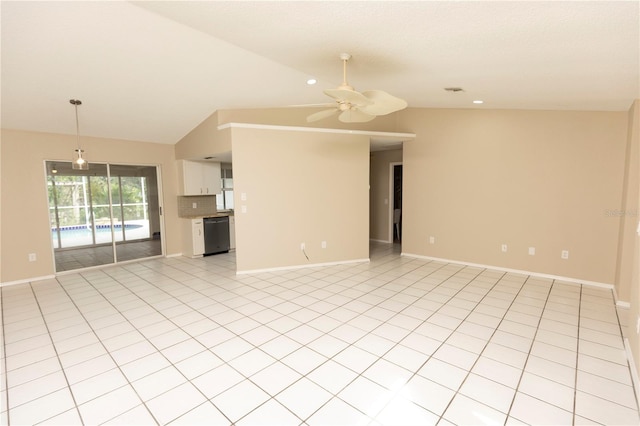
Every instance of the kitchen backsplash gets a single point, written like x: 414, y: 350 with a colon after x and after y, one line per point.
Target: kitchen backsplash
x: 205, y: 205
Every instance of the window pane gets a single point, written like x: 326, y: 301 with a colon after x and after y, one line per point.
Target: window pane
x: 220, y: 201
x: 228, y: 197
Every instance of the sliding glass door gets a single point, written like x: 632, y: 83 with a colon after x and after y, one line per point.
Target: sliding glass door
x: 136, y: 211
x: 109, y: 213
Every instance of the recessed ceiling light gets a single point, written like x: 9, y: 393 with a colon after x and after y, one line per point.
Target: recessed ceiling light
x: 478, y: 102
x: 311, y: 81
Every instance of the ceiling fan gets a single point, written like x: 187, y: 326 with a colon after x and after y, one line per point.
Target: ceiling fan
x: 356, y: 107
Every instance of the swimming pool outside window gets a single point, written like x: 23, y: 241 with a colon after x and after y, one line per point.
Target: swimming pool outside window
x: 108, y: 206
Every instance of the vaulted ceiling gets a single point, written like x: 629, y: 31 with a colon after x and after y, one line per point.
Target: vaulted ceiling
x: 154, y: 70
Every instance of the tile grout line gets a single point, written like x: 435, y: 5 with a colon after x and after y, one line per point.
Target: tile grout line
x: 378, y: 287
x: 228, y: 362
x: 424, y: 321
x: 575, y: 382
x: 469, y: 371
x: 62, y: 369
x: 636, y: 390
x: 603, y: 359
x: 358, y: 375
x: 533, y: 341
x: 329, y: 359
x: 349, y: 345
x: 93, y: 330
x: 4, y: 355
x: 159, y: 351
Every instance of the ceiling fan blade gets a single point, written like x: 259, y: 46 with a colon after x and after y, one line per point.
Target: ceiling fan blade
x: 382, y: 103
x: 324, y: 104
x: 355, y: 116
x: 321, y: 114
x: 349, y: 96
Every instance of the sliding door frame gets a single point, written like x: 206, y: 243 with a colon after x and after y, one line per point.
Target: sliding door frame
x: 158, y: 170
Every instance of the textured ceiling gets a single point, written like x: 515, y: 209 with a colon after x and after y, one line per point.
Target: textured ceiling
x: 154, y: 70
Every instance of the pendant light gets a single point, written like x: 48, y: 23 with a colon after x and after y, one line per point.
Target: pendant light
x: 79, y: 162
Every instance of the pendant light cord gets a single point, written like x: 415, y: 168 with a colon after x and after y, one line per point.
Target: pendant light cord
x: 75, y: 103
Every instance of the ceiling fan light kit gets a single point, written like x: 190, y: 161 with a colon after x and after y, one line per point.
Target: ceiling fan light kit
x: 356, y: 107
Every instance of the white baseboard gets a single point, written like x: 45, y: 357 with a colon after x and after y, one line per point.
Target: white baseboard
x: 634, y: 369
x: 294, y: 267
x: 174, y: 255
x: 27, y: 280
x: 79, y: 271
x: 515, y: 271
x: 380, y: 241
x: 623, y: 305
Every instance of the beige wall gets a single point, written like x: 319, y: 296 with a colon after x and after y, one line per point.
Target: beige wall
x: 204, y: 141
x: 476, y: 179
x: 25, y: 219
x: 473, y: 179
x: 379, y: 175
x: 628, y: 211
x: 631, y: 252
x: 300, y: 187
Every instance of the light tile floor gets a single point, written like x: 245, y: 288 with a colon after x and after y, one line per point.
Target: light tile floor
x: 87, y: 256
x: 398, y: 341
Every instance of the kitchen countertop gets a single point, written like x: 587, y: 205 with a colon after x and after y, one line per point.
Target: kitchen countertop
x: 201, y: 216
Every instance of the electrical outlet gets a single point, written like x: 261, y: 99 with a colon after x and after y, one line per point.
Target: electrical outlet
x: 32, y: 257
x: 194, y: 205
x: 432, y: 240
x: 638, y: 325
x: 564, y: 254
x: 243, y: 209
x: 301, y: 246
x: 532, y: 251
x: 323, y: 244
x: 504, y: 248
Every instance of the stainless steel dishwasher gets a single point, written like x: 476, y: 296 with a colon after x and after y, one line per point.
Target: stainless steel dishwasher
x: 216, y: 235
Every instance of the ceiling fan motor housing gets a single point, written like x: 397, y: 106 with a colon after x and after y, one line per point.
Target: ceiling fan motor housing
x: 356, y: 107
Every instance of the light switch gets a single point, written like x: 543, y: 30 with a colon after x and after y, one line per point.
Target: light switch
x: 243, y: 196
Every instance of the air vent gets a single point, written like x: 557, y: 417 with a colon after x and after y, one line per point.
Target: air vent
x: 454, y: 89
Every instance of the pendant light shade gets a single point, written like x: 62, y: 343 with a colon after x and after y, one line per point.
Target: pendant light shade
x: 79, y: 161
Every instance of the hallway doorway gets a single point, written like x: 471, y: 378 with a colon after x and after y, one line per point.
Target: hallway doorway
x: 395, y: 204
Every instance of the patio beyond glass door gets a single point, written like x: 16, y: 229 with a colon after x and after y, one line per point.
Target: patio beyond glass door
x: 107, y: 214
x: 136, y: 211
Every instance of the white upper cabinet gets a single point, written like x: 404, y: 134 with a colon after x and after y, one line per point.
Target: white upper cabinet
x: 198, y: 177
